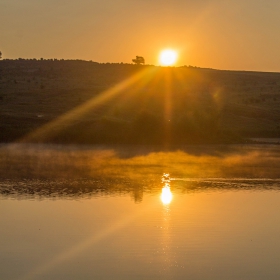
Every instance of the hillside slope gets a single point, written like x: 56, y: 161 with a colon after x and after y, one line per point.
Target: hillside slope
x: 87, y: 102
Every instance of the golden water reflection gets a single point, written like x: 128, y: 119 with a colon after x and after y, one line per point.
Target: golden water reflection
x: 166, y: 194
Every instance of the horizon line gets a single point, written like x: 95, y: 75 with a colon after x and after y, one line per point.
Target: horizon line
x: 138, y: 65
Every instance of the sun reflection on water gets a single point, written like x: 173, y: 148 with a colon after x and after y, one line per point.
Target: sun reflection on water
x: 166, y: 194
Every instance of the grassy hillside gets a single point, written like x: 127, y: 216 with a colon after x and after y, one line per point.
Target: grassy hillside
x: 87, y: 102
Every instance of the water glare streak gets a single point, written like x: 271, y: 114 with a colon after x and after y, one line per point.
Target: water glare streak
x: 166, y: 195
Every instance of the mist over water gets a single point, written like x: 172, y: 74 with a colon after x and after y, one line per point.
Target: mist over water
x: 58, y: 161
x: 70, y: 171
x: 53, y: 171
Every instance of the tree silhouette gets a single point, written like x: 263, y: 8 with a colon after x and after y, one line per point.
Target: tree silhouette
x: 139, y: 60
x: 0, y: 55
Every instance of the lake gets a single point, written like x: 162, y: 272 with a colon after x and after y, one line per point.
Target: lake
x: 96, y: 212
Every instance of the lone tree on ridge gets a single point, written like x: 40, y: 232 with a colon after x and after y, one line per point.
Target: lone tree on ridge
x: 139, y: 60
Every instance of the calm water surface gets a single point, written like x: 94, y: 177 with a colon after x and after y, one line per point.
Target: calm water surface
x: 98, y: 213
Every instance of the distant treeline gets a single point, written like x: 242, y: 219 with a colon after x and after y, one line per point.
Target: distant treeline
x: 62, y: 60
x: 88, y: 61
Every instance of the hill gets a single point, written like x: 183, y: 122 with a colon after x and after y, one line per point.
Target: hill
x: 74, y: 101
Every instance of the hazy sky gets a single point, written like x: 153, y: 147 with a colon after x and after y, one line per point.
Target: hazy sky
x: 221, y: 34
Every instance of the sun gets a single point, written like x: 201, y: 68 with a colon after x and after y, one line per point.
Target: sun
x: 168, y: 57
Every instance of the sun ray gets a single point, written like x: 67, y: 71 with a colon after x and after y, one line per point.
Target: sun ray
x: 87, y: 243
x: 51, y: 129
x: 140, y: 90
x: 168, y: 105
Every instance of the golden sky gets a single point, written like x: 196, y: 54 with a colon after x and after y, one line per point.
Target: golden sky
x: 221, y: 34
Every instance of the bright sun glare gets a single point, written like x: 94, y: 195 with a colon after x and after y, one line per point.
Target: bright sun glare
x: 168, y: 57
x: 166, y: 195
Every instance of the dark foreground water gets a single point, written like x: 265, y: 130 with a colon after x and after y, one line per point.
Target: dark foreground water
x: 111, y: 213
